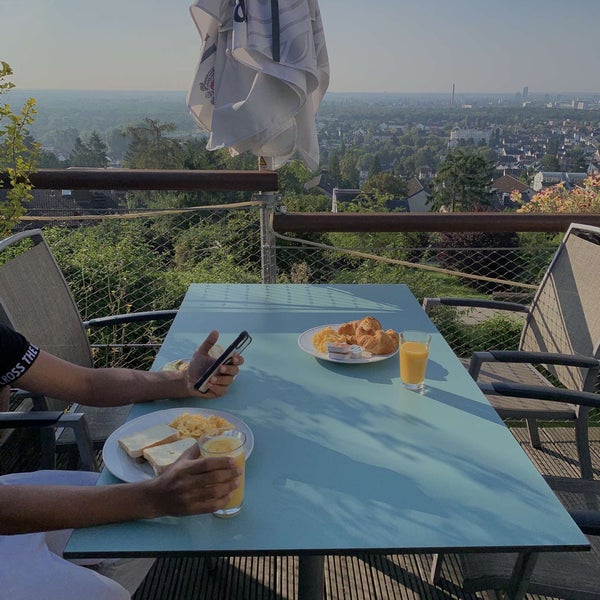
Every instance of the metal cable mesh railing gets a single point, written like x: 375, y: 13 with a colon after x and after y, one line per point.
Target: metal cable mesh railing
x: 434, y: 272
x: 145, y: 261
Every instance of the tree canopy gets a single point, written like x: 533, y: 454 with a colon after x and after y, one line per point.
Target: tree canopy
x: 17, y: 155
x: 463, y: 181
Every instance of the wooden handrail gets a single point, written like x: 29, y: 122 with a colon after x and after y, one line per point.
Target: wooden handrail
x: 151, y: 179
x: 397, y: 222
x: 267, y: 181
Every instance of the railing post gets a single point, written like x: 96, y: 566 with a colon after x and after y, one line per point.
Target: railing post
x: 267, y: 238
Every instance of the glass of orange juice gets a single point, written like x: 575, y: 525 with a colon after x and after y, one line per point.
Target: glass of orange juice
x: 414, y: 352
x: 227, y: 442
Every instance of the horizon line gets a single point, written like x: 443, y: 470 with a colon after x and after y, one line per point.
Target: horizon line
x: 384, y: 92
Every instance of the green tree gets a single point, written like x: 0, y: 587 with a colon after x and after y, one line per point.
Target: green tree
x: 117, y: 142
x: 17, y: 157
x: 151, y: 147
x: 463, y: 182
x: 549, y: 162
x: 386, y: 183
x: 293, y: 176
x: 61, y: 140
x: 576, y: 161
x: 349, y: 170
x: 333, y: 166
x: 48, y: 160
x: 92, y: 153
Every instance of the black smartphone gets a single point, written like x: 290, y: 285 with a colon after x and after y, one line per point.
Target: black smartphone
x: 236, y: 347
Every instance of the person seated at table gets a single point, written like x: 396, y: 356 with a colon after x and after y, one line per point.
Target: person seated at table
x: 38, y: 510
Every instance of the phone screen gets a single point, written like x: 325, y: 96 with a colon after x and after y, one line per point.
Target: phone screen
x: 236, y: 347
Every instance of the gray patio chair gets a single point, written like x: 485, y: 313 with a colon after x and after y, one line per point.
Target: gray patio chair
x: 35, y: 299
x: 569, y: 575
x: 48, y: 422
x: 561, y: 332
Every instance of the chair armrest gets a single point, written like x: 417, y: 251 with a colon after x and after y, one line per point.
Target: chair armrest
x: 41, y: 419
x: 588, y: 521
x: 578, y: 493
x: 46, y: 418
x: 522, y: 356
x: 39, y: 402
x: 153, y: 315
x: 541, y: 392
x: 475, y: 303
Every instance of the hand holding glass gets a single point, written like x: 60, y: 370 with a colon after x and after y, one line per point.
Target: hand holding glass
x: 414, y: 352
x: 227, y: 442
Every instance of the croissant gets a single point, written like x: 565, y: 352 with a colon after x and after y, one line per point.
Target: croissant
x: 381, y: 342
x: 348, y: 329
x: 395, y: 337
x: 368, y: 326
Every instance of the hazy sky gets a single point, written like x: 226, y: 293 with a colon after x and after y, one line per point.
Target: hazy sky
x: 373, y: 45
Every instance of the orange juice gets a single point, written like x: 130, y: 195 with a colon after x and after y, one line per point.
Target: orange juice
x: 413, y: 361
x: 227, y: 444
x: 414, y: 353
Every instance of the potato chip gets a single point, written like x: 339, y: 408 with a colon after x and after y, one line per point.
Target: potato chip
x: 195, y: 426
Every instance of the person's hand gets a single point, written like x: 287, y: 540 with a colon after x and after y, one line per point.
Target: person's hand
x: 219, y: 382
x: 194, y: 485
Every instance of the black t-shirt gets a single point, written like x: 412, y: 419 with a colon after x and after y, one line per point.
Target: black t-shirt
x: 16, y: 355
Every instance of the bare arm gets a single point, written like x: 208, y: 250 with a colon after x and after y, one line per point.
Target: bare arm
x: 191, y: 485
x: 60, y: 379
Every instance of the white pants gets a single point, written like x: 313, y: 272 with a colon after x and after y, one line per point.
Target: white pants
x: 32, y: 567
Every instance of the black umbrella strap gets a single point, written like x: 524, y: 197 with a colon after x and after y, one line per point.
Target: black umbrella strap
x: 239, y: 11
x: 276, y: 45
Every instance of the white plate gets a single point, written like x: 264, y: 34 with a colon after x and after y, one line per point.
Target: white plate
x: 121, y: 465
x: 305, y: 343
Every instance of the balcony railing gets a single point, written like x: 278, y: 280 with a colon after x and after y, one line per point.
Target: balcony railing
x: 144, y: 259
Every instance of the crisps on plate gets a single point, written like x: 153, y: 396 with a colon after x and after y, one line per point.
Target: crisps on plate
x: 196, y: 425
x: 328, y: 334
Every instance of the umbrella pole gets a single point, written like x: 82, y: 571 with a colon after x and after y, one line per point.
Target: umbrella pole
x: 267, y: 235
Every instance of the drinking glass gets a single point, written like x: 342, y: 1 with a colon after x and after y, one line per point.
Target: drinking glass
x: 227, y: 442
x: 414, y: 353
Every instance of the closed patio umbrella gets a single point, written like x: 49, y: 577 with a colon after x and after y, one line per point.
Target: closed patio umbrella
x: 262, y: 73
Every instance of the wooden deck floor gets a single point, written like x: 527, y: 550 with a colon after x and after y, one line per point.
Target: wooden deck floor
x: 368, y: 577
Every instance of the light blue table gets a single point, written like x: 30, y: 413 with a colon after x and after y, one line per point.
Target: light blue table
x: 345, y: 459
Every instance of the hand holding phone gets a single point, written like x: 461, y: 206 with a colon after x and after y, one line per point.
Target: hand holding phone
x: 236, y: 347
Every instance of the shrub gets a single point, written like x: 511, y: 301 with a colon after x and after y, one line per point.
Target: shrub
x: 560, y: 199
x: 487, y: 254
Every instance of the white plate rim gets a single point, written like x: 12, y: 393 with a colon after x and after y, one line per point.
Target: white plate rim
x: 121, y: 465
x: 305, y: 343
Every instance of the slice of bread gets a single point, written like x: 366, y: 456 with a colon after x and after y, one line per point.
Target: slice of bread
x: 135, y: 443
x: 161, y: 457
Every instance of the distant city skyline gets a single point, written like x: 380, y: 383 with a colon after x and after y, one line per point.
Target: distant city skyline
x: 484, y: 46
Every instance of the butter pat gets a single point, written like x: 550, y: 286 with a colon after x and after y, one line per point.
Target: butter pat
x: 338, y: 348
x: 356, y: 351
x: 342, y: 350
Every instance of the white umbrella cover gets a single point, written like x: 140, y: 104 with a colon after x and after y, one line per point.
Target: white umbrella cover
x: 262, y: 73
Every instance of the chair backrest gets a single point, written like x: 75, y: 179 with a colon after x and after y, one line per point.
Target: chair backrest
x: 565, y: 313
x: 35, y: 298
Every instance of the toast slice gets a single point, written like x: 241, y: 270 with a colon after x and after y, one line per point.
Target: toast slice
x: 135, y: 443
x: 161, y: 457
